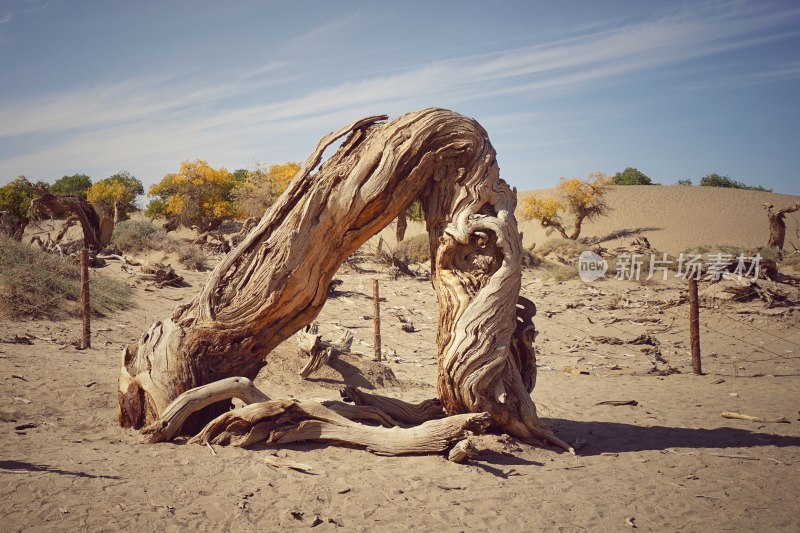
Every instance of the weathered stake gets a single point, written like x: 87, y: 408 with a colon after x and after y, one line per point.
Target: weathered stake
x: 86, y: 341
x: 694, y: 326
x: 377, y: 313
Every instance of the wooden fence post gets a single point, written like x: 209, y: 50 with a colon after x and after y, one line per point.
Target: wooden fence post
x: 694, y: 326
x: 86, y: 341
x: 377, y: 312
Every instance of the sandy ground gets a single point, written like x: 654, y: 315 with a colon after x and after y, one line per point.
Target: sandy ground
x: 668, y: 463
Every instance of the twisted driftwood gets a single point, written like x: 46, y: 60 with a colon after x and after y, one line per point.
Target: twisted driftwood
x: 276, y: 281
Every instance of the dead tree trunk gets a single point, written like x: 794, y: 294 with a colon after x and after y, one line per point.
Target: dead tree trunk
x: 13, y: 226
x: 276, y: 280
x: 777, y: 224
x: 402, y: 225
x: 54, y: 206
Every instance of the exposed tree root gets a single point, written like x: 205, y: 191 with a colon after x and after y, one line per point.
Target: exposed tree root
x: 284, y: 421
x: 172, y: 419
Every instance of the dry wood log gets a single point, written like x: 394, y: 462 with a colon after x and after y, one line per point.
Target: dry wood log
x: 284, y: 421
x: 68, y: 223
x: 161, y: 274
x: 191, y: 401
x: 740, y: 416
x: 363, y: 413
x: 462, y: 451
x: 275, y: 281
x: 408, y: 413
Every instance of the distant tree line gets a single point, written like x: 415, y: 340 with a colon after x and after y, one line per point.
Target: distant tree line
x: 197, y: 196
x: 634, y: 176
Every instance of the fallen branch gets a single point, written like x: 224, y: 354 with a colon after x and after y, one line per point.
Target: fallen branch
x: 191, y: 401
x: 285, y: 421
x: 740, y: 416
x: 405, y: 412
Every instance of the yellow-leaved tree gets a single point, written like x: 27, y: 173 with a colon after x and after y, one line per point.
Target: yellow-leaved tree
x: 262, y: 186
x: 115, y: 197
x: 198, y: 196
x: 579, y: 199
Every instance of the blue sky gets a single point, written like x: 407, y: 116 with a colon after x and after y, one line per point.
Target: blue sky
x: 678, y: 90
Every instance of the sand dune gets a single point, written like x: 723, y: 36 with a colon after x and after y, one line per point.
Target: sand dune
x: 675, y: 218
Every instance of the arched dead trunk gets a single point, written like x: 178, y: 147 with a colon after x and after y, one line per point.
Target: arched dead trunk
x: 53, y: 206
x: 276, y: 280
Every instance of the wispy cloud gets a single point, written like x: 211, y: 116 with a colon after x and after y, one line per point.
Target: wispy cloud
x: 5, y: 18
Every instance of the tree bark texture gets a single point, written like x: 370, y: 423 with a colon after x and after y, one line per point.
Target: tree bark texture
x: 276, y: 280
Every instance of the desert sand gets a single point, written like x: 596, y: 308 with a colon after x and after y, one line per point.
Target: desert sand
x: 669, y: 462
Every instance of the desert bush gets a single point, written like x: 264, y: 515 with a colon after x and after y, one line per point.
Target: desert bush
x: 792, y: 261
x: 733, y: 250
x: 557, y: 271
x: 715, y: 180
x: 530, y: 259
x: 36, y: 284
x: 189, y: 256
x: 134, y: 236
x: 567, y: 248
x: 414, y: 250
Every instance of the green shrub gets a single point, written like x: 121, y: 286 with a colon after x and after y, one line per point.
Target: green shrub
x: 631, y: 176
x: 715, y: 180
x: 36, y: 284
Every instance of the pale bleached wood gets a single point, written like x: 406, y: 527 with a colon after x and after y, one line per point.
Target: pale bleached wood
x: 750, y: 418
x: 362, y: 413
x: 285, y: 421
x: 404, y: 412
x: 276, y: 280
x: 462, y: 451
x: 173, y: 417
x: 319, y: 352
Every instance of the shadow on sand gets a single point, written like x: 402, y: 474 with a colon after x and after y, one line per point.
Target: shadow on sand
x: 616, y: 437
x: 22, y: 466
